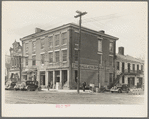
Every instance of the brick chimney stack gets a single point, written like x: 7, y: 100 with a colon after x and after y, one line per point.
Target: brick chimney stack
x: 37, y: 30
x: 121, y: 50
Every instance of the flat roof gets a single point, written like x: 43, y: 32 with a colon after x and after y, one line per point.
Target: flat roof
x: 65, y: 26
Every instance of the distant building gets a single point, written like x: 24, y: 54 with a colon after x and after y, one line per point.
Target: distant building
x: 130, y: 70
x: 15, y: 52
x: 7, y: 67
x: 52, y: 56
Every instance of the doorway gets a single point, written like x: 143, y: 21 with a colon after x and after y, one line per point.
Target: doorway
x: 42, y: 78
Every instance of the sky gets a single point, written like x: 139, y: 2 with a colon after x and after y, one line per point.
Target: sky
x: 125, y: 20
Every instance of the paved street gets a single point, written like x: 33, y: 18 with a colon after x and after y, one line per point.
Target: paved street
x: 54, y: 97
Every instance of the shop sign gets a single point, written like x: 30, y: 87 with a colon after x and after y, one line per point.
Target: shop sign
x: 84, y: 66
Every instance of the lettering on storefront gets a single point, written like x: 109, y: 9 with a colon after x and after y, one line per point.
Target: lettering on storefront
x: 84, y: 66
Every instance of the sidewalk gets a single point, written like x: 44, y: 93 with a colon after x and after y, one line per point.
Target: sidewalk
x: 66, y: 91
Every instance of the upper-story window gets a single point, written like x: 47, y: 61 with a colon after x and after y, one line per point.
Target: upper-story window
x: 99, y: 45
x: 51, y: 57
x: 42, y: 43
x: 137, y: 67
x: 26, y: 48
x: 141, y: 67
x: 33, y: 60
x: 51, y: 41
x: 33, y: 46
x: 57, y: 56
x: 118, y: 65
x: 42, y: 58
x: 110, y: 47
x: 57, y: 40
x: 26, y: 61
x: 110, y: 60
x: 64, y: 55
x: 133, y: 67
x: 64, y: 38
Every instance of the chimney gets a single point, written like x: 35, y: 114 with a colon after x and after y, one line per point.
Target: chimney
x: 121, y: 50
x: 37, y: 30
x: 102, y: 31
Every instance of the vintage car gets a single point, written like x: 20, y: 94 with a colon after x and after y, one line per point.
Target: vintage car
x: 120, y: 88
x: 18, y: 86
x: 27, y: 85
x: 10, y: 85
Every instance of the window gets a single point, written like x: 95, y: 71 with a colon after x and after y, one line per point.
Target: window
x: 110, y: 47
x: 110, y: 60
x: 123, y: 79
x: 133, y: 67
x: 51, y: 41
x: 100, y: 58
x: 33, y: 60
x: 118, y: 65
x: 26, y: 48
x: 99, y: 45
x: 57, y: 56
x: 42, y: 43
x: 33, y: 46
x: 141, y: 67
x: 137, y: 67
x: 42, y: 58
x: 50, y: 57
x: 26, y: 61
x: 64, y: 55
x: 57, y: 40
x: 64, y: 38
x: 76, y: 55
x: 110, y: 77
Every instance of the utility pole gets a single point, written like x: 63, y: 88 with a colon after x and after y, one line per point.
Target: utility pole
x: 20, y: 67
x: 80, y: 14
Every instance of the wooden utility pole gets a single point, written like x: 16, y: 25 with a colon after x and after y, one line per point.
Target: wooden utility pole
x: 80, y: 14
x: 20, y: 67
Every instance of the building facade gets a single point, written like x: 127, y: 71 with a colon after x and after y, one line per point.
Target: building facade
x: 52, y: 56
x: 15, y: 58
x: 129, y: 69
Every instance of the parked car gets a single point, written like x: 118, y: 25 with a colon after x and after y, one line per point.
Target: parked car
x: 18, y: 85
x: 120, y: 88
x: 27, y: 85
x: 10, y: 85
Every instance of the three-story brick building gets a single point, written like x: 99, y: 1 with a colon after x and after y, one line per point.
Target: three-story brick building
x: 52, y: 56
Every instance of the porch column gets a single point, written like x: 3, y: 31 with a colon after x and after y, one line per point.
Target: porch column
x: 60, y: 79
x: 68, y: 79
x: 53, y: 79
x: 47, y: 76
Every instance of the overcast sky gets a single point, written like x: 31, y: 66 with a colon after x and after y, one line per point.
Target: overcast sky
x: 125, y: 20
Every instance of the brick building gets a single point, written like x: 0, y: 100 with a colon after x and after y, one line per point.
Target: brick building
x: 15, y: 54
x: 52, y: 56
x: 130, y: 70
